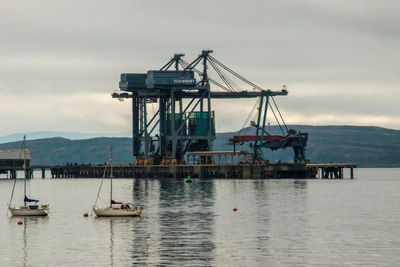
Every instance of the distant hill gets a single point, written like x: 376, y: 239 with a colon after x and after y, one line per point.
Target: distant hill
x: 366, y: 146
x: 49, y: 134
x: 59, y: 151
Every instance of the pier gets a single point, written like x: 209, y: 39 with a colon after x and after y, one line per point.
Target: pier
x: 332, y: 170
x: 204, y: 171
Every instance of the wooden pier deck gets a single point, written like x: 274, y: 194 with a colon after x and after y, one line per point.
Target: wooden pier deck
x: 206, y: 171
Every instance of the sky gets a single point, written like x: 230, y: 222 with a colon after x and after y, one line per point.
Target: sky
x: 61, y: 60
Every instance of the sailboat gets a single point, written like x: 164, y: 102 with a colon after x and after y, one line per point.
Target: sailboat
x: 27, y: 209
x: 115, y: 209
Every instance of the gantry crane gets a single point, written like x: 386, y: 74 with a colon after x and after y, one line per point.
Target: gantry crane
x: 185, y: 126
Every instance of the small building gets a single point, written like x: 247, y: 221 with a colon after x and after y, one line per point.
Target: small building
x: 218, y: 157
x: 14, y: 158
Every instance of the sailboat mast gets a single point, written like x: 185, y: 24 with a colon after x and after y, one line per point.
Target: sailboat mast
x: 23, y: 146
x: 111, y: 175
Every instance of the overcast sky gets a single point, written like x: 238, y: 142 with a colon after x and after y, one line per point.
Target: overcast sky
x: 61, y: 60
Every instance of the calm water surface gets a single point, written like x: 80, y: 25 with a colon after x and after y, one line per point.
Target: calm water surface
x: 278, y: 222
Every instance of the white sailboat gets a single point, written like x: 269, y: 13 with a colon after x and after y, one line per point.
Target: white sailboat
x: 116, y: 209
x: 27, y: 210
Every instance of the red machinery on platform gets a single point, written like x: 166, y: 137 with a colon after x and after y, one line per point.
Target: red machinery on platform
x: 250, y: 138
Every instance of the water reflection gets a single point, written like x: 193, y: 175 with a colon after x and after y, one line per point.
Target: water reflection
x: 301, y: 184
x: 288, y: 227
x: 111, y: 242
x: 278, y: 222
x: 120, y: 240
x: 140, y: 231
x: 27, y: 247
x: 140, y: 234
x: 176, y: 225
x: 186, y: 222
x: 140, y: 189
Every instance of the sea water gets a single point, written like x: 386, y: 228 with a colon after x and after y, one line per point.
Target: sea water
x: 277, y: 222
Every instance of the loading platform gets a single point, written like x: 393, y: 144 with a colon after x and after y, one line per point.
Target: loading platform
x: 204, y: 171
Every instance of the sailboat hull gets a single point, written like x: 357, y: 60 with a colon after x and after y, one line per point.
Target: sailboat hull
x: 125, y: 210
x: 116, y: 212
x: 28, y: 212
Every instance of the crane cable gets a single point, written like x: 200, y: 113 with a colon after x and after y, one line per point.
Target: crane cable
x: 273, y: 112
x: 251, y: 113
x: 231, y: 86
x: 283, y: 121
x: 229, y: 82
x: 185, y: 64
x: 235, y: 74
x: 221, y: 75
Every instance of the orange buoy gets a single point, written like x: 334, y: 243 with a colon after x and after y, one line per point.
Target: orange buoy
x: 19, y: 222
x: 85, y: 214
x: 234, y: 209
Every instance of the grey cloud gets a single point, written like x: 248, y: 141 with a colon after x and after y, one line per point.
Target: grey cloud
x: 56, y: 48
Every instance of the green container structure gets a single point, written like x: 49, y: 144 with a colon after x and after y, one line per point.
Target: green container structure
x: 198, y: 123
x: 178, y: 122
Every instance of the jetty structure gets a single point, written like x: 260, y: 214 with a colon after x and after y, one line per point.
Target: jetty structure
x: 177, y: 139
x: 12, y: 160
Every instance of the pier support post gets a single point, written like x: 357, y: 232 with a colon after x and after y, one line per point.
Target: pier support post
x: 351, y: 173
